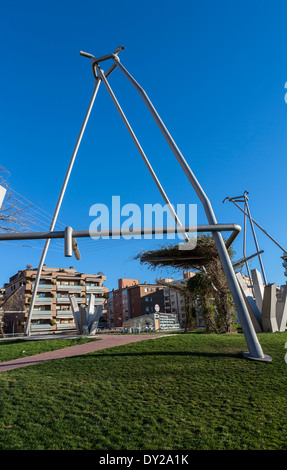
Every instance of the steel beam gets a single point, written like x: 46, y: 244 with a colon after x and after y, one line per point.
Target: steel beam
x: 70, y: 233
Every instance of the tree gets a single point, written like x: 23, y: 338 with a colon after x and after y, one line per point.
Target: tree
x: 13, y: 215
x: 207, y: 290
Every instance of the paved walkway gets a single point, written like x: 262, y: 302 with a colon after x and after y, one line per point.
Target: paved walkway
x: 106, y: 341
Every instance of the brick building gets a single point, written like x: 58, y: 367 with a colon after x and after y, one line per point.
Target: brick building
x: 132, y: 299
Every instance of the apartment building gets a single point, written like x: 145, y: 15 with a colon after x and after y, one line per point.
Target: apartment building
x: 52, y: 309
x: 2, y: 296
x: 132, y: 299
x: 174, y: 300
x: 118, y: 304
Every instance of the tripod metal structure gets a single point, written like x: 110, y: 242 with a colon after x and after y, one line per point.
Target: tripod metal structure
x: 247, y: 215
x: 255, y: 351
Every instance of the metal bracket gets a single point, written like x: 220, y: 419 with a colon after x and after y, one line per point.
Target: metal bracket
x: 102, y: 59
x: 71, y: 244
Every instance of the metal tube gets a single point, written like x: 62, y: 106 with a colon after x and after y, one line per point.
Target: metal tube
x: 254, y: 347
x: 57, y: 209
x: 144, y: 157
x: 68, y: 242
x: 87, y: 54
x: 259, y: 226
x: 244, y: 255
x: 232, y: 237
x: 113, y: 67
x: 75, y: 249
x: 243, y: 260
x: 111, y: 231
x: 104, y: 57
x: 255, y: 239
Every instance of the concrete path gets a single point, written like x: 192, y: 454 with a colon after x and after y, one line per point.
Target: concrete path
x: 106, y: 341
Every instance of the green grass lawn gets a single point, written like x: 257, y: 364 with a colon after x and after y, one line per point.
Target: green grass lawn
x: 16, y: 348
x: 180, y: 392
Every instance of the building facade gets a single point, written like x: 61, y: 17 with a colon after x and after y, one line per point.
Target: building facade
x: 174, y: 299
x: 132, y: 299
x: 52, y: 309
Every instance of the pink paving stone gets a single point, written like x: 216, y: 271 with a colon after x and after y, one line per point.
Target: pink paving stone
x: 106, y: 341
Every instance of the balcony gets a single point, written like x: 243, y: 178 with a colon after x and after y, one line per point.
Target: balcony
x: 43, y: 326
x: 41, y: 314
x: 65, y: 300
x: 43, y: 300
x: 64, y: 314
x: 61, y: 326
x: 44, y: 312
x: 43, y: 287
x: 69, y: 288
x: 94, y: 289
x: 42, y: 276
x: 98, y: 301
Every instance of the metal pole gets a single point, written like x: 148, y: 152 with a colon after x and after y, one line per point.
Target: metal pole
x: 254, y: 236
x: 68, y: 242
x: 254, y: 348
x: 243, y: 260
x: 60, y: 199
x: 259, y: 226
x: 244, y: 254
x: 132, y: 134
x: 109, y: 232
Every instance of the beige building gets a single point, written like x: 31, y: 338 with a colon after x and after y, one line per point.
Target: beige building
x: 52, y: 309
x: 174, y: 300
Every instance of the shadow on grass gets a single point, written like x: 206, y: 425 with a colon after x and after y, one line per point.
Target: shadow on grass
x: 238, y: 355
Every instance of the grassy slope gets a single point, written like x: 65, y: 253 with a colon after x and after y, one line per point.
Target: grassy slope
x: 183, y: 392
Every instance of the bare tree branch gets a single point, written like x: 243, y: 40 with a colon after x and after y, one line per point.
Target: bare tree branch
x: 14, y: 216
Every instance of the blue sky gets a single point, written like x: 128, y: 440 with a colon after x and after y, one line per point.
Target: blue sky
x: 216, y: 73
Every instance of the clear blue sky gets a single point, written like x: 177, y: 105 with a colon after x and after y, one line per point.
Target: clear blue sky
x: 215, y: 72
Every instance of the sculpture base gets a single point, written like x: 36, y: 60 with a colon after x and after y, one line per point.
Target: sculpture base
x: 260, y: 359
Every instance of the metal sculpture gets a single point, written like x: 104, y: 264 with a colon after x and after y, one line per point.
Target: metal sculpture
x: 255, y: 351
x: 267, y: 307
